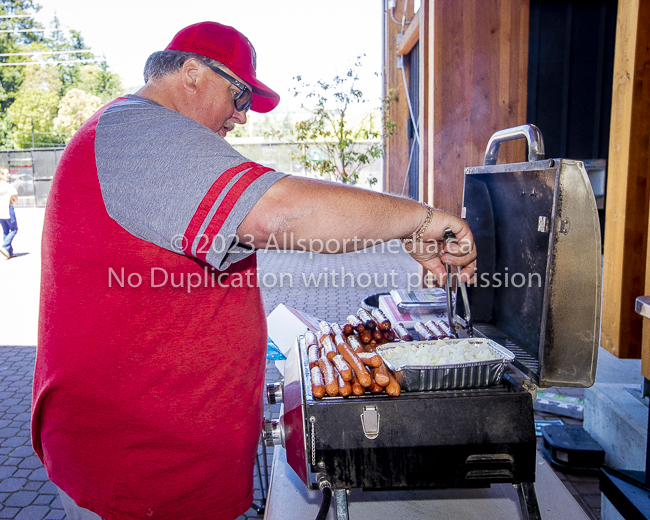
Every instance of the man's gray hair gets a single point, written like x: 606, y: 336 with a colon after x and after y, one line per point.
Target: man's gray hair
x: 162, y: 63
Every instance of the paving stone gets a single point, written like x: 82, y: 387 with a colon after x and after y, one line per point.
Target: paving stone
x: 12, y: 484
x: 7, y: 471
x: 56, y: 504
x: 31, y: 462
x: 22, y: 451
x: 9, y: 512
x: 22, y: 473
x: 21, y: 499
x: 32, y: 486
x: 39, y: 474
x: 55, y: 514
x: 33, y: 513
x: 43, y: 500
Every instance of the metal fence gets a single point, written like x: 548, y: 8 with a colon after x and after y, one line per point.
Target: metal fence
x: 31, y: 172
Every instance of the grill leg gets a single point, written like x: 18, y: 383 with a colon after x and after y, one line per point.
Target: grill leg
x: 341, y: 499
x: 528, y: 501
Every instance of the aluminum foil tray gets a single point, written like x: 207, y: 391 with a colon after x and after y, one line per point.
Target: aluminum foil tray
x: 474, y: 374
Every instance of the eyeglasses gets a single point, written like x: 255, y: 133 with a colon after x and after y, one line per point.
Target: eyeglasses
x: 244, y: 97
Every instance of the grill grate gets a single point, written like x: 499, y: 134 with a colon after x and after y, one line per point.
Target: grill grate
x: 524, y: 360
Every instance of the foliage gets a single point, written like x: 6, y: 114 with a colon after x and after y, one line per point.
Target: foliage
x: 75, y: 107
x: 43, y: 104
x: 332, y: 141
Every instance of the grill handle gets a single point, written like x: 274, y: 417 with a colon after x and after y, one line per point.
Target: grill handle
x: 532, y: 134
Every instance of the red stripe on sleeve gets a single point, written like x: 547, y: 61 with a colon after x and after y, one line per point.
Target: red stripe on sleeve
x: 229, y: 202
x: 208, y: 201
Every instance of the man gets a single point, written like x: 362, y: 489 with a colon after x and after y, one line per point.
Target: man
x: 147, y: 387
x: 8, y: 196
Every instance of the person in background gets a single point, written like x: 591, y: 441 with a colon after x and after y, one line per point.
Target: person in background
x: 150, y: 368
x: 8, y: 196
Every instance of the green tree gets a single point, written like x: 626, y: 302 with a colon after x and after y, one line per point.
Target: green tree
x: 73, y: 110
x: 331, y: 142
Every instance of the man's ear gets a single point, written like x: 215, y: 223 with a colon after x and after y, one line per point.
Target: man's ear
x: 190, y: 72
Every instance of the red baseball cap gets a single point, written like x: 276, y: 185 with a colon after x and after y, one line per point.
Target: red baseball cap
x: 230, y: 47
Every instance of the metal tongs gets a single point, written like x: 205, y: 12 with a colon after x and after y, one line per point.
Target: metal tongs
x: 451, y: 302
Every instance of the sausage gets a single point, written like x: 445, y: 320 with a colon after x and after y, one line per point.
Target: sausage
x: 342, y: 366
x: 313, y: 354
x: 423, y: 331
x: 393, y: 387
x: 310, y: 338
x: 377, y: 335
x: 381, y: 375
x: 368, y: 321
x: 326, y: 329
x: 317, y: 384
x: 371, y: 359
x: 331, y: 384
x: 336, y: 328
x: 436, y: 329
x: 329, y: 348
x: 400, y: 331
x: 345, y: 388
x: 356, y: 323
x: 355, y: 344
x: 447, y: 329
x: 375, y: 388
x: 355, y: 363
x: 357, y: 389
x: 366, y: 336
x: 381, y: 319
x: 348, y: 329
x: 339, y: 339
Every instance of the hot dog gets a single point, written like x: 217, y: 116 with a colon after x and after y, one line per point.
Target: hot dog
x: 447, y: 329
x: 355, y: 344
x: 381, y: 375
x: 336, y: 328
x: 377, y: 335
x: 357, y: 389
x: 348, y: 329
x: 368, y: 321
x: 310, y: 338
x: 366, y: 336
x: 393, y: 387
x: 436, y: 329
x: 317, y: 384
x: 331, y: 384
x: 372, y: 359
x: 381, y: 319
x: 375, y: 388
x: 329, y: 349
x: 356, y: 323
x: 338, y: 339
x: 355, y: 363
x: 342, y: 366
x: 423, y: 331
x: 326, y: 329
x: 400, y: 331
x: 345, y: 388
x: 314, y: 354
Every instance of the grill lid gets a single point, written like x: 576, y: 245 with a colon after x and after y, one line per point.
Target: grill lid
x: 538, y: 287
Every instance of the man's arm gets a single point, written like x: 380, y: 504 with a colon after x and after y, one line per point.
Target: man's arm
x: 307, y: 211
x: 13, y: 199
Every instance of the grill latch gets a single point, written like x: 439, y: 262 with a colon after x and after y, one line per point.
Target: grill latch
x: 370, y: 421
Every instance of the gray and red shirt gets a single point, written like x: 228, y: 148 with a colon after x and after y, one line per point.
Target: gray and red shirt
x: 151, y: 357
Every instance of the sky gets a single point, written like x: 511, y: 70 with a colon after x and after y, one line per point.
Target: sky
x: 314, y: 39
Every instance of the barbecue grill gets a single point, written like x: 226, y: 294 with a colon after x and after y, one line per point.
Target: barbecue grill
x: 535, y: 220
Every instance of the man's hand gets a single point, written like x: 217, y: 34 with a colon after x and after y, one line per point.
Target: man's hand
x: 433, y: 251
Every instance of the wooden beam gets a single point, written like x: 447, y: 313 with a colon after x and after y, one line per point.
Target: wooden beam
x: 628, y: 187
x: 411, y: 35
x: 397, y: 147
